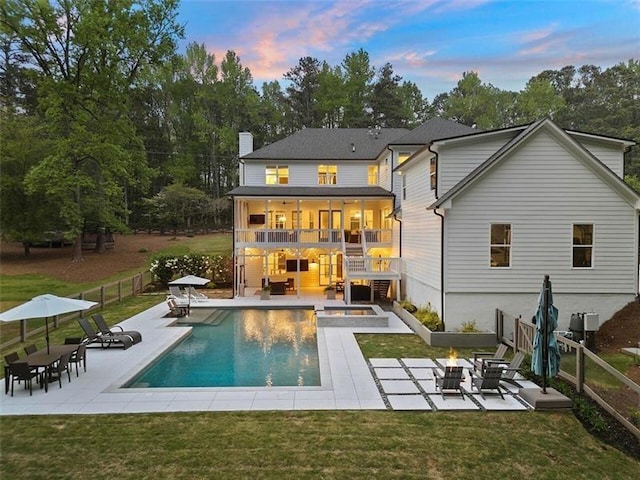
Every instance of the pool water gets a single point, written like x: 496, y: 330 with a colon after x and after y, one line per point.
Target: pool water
x: 240, y: 348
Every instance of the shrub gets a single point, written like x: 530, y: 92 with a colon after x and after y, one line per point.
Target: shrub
x: 164, y: 267
x: 408, y: 306
x: 469, y: 327
x: 194, y: 264
x: 429, y: 318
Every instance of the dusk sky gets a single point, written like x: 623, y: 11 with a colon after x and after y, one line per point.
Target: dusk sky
x: 430, y: 42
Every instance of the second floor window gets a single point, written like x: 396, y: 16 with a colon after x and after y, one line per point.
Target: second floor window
x: 500, y: 245
x: 432, y: 173
x: 276, y: 175
x: 582, y: 246
x: 372, y: 175
x: 327, y: 174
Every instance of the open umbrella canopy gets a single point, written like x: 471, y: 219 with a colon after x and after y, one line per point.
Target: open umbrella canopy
x: 44, y: 306
x: 545, y: 359
x: 190, y: 280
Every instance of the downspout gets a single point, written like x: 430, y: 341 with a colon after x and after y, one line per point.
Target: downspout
x: 399, y: 253
x: 441, y: 265
x: 435, y: 211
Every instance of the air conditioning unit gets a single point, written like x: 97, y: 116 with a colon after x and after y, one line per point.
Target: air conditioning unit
x: 591, y: 322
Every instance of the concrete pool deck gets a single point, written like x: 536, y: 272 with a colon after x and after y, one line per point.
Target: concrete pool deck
x: 349, y: 382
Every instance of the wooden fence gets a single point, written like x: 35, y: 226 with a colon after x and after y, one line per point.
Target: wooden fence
x: 586, y: 371
x: 103, y: 295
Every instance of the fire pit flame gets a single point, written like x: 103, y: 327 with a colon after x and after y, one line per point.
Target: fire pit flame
x: 452, y: 359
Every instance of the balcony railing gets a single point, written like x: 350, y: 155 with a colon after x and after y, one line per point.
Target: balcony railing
x: 372, y: 267
x: 306, y: 237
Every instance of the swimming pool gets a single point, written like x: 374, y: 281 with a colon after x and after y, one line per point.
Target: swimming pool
x: 240, y: 348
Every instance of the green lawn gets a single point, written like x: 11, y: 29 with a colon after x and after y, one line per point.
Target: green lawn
x: 303, y: 445
x: 307, y: 445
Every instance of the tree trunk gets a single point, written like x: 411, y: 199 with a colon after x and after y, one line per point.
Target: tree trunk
x: 26, y: 245
x: 100, y: 242
x: 77, y: 249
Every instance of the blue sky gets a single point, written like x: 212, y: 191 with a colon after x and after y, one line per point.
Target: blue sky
x: 430, y: 42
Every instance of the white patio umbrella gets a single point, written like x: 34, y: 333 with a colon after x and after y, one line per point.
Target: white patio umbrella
x: 45, y: 306
x: 190, y: 280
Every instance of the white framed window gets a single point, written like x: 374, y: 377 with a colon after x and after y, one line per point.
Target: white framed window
x: 432, y: 173
x: 327, y: 174
x: 582, y: 245
x: 372, y: 175
x: 500, y: 249
x: 277, y: 263
x: 277, y: 219
x: 276, y: 175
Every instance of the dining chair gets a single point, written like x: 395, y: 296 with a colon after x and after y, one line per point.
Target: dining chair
x: 29, y: 349
x: 79, y: 356
x: 11, y: 357
x: 20, y: 371
x: 58, y: 369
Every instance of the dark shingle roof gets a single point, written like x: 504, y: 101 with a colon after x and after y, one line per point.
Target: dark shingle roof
x: 329, y: 144
x: 434, y: 129
x: 298, y: 192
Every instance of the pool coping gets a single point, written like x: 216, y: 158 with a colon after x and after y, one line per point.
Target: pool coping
x: 346, y: 380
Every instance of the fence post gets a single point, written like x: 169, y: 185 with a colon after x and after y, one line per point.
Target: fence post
x: 119, y: 290
x: 23, y: 330
x: 580, y: 368
x: 516, y: 334
x: 102, y: 296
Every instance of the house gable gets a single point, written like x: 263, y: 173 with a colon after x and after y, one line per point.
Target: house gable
x: 561, y: 138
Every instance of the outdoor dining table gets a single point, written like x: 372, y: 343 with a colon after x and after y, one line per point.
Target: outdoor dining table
x: 42, y: 359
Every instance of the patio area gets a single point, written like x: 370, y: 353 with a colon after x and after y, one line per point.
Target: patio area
x: 349, y: 381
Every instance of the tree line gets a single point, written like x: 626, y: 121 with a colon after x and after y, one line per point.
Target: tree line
x: 107, y: 127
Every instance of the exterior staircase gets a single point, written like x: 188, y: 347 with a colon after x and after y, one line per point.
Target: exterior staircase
x: 380, y: 288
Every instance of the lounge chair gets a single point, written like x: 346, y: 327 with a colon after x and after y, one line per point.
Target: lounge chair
x: 450, y: 380
x: 176, y: 310
x: 480, y: 357
x: 196, y: 295
x: 104, y: 329
x: 489, y: 380
x: 105, y: 341
x: 510, y: 369
x: 178, y: 294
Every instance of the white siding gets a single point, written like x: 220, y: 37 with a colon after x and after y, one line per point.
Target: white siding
x: 459, y: 159
x: 541, y: 190
x: 611, y: 156
x: 420, y: 239
x: 305, y: 174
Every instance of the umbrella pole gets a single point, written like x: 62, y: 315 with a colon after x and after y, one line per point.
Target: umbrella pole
x: 46, y: 327
x: 545, y: 335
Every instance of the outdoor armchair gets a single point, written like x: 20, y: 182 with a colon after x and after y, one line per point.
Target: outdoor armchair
x: 510, y: 369
x: 479, y: 358
x: 79, y: 357
x: 451, y: 379
x: 62, y: 366
x: 489, y: 379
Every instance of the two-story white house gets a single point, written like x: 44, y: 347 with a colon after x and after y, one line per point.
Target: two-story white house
x: 467, y: 221
x: 486, y: 215
x: 312, y: 210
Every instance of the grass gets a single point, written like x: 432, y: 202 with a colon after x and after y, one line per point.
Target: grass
x: 209, y: 245
x: 305, y: 445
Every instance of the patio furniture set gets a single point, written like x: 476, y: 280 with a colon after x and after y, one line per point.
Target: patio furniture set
x: 53, y: 362
x: 489, y: 369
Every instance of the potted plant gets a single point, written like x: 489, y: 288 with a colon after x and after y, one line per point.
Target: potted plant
x: 330, y: 291
x: 265, y: 293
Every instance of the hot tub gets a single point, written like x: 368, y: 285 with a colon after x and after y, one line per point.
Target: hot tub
x: 352, y: 316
